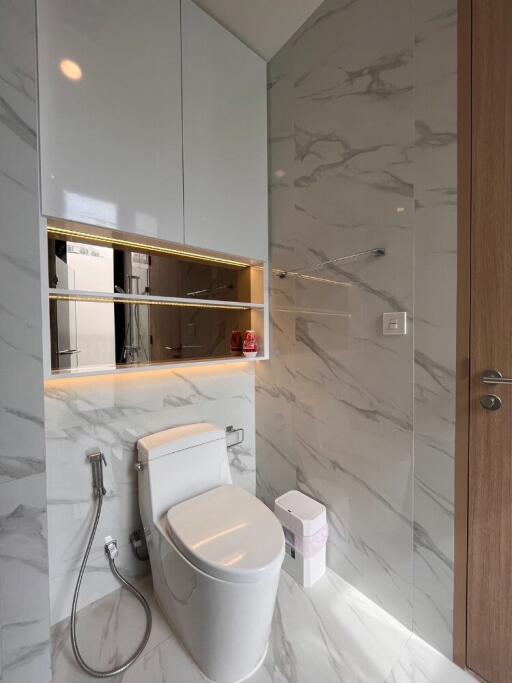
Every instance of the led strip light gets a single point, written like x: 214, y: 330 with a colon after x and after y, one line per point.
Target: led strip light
x: 65, y: 232
x: 140, y: 302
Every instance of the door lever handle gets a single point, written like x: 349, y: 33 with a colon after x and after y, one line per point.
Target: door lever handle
x: 495, y: 377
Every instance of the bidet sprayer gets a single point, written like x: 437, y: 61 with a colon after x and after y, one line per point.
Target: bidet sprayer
x: 97, y: 460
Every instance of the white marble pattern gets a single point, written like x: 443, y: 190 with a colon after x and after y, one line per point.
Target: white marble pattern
x: 24, y: 603
x: 435, y: 160
x: 108, y: 630
x: 276, y: 470
x: 329, y: 633
x: 21, y: 372
x: 341, y: 121
x: 112, y: 413
x: 362, y: 149
x: 421, y: 663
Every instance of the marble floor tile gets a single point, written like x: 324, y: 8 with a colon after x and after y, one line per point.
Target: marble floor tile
x: 420, y: 663
x: 329, y: 633
x: 109, y: 630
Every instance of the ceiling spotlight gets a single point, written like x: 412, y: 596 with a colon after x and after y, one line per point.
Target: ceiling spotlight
x: 71, y: 70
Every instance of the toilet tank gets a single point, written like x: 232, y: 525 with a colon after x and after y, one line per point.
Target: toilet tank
x: 181, y: 463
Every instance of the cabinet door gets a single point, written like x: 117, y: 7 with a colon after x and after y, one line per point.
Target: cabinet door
x: 224, y: 139
x: 110, y: 114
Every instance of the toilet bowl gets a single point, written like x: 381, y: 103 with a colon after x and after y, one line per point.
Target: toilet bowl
x: 215, y: 550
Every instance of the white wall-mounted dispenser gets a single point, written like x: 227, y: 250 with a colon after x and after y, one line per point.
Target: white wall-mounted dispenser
x: 305, y: 531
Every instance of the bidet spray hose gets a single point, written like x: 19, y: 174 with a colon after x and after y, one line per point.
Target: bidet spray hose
x: 111, y: 552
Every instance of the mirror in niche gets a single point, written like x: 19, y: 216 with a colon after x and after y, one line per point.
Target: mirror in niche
x: 100, y: 268
x: 101, y: 333
x: 92, y: 334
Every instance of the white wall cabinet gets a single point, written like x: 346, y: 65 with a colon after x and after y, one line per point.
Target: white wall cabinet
x: 114, y: 150
x: 110, y: 114
x: 224, y: 139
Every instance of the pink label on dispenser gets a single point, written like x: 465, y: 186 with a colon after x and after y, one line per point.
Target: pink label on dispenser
x: 307, y: 546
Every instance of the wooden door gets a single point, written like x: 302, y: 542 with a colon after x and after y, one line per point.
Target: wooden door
x: 489, y: 601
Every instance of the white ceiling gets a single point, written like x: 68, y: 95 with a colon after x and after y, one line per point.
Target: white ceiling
x: 263, y: 25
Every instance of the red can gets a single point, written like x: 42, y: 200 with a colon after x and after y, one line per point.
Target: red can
x: 250, y: 346
x: 236, y: 343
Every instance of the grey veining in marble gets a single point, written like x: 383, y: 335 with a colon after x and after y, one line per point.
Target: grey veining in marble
x: 362, y: 145
x: 24, y: 603
x: 329, y: 633
x: 435, y: 159
x: 112, y: 413
x: 420, y: 663
x: 24, y: 600
x: 21, y: 404
x: 341, y: 129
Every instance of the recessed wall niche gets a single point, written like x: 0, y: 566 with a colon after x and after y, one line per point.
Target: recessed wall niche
x: 118, y: 303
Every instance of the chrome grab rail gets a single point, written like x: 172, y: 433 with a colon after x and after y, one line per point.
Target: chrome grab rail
x: 318, y: 266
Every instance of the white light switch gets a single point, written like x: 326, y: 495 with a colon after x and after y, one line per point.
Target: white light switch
x: 394, y: 323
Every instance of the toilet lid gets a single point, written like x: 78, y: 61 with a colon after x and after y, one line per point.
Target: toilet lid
x: 229, y: 534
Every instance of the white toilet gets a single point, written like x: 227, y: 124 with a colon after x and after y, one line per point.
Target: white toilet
x: 215, y: 550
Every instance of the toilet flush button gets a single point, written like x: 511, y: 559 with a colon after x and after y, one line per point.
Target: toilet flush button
x: 394, y: 323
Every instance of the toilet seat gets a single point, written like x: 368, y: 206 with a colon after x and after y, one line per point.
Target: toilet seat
x: 228, y: 534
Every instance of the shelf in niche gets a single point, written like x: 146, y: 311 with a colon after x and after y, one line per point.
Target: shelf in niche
x: 148, y: 367
x: 251, y: 315
x: 148, y: 300
x: 167, y: 310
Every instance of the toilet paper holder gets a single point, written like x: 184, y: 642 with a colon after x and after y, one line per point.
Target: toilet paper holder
x: 237, y: 432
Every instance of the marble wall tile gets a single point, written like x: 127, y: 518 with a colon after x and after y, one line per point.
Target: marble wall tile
x: 24, y: 602
x: 435, y: 162
x: 341, y: 121
x: 112, y: 413
x: 362, y: 155
x: 275, y: 400
x: 21, y: 372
